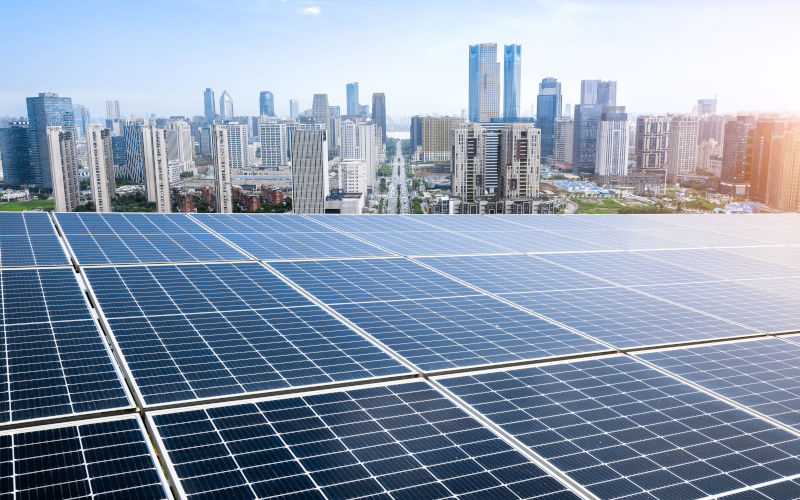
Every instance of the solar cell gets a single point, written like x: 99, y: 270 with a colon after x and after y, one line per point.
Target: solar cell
x: 626, y: 319
x: 620, y: 239
x: 621, y: 428
x: 534, y: 241
x: 511, y: 273
x: 446, y: 333
x: 558, y: 223
x: 200, y: 331
x: 368, y: 280
x: 130, y: 238
x: 722, y: 264
x: 29, y: 239
x: 103, y: 459
x: 433, y: 242
x: 469, y: 223
x: 788, y: 256
x: 398, y: 441
x: 777, y: 491
x: 360, y: 224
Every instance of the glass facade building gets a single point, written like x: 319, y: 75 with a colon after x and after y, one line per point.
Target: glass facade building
x: 512, y: 64
x: 46, y: 110
x: 352, y: 99
x: 15, y: 152
x: 266, y: 104
x: 548, y: 108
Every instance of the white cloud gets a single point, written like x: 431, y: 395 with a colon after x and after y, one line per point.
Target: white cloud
x: 311, y: 11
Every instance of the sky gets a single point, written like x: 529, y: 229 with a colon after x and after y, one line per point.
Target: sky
x: 157, y: 56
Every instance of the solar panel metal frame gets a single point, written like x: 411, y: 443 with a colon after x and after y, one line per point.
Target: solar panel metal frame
x: 55, y: 234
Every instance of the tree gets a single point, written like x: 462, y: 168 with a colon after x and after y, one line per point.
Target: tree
x: 187, y: 174
x: 383, y: 185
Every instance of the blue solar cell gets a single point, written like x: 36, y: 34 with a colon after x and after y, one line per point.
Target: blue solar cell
x: 436, y: 334
x: 399, y: 441
x: 29, y: 239
x: 621, y: 428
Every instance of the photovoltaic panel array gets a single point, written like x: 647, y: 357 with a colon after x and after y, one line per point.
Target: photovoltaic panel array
x: 401, y: 441
x: 199, y: 331
x: 621, y: 428
x: 29, y: 239
x: 130, y: 238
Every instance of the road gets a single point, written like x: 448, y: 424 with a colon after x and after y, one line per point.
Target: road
x: 398, y: 178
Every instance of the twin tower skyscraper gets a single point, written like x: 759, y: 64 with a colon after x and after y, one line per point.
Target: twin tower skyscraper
x: 484, y: 82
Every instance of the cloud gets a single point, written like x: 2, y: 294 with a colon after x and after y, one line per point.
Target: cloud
x: 311, y: 11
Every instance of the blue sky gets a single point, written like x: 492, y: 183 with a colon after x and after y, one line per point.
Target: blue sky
x: 158, y: 56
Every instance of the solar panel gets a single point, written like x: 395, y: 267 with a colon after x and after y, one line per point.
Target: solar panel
x: 53, y: 360
x: 762, y: 374
x: 621, y: 428
x: 29, y: 239
x: 369, y: 280
x: 695, y: 237
x: 779, y: 490
x: 447, y: 333
x: 781, y: 256
x: 398, y: 441
x: 110, y: 458
x: 626, y: 319
x: 784, y: 286
x: 722, y: 264
x: 432, y: 242
x: 286, y: 236
x: 511, y: 273
x: 558, y: 224
x: 130, y: 238
x: 469, y: 223
x: 360, y: 224
x: 534, y: 241
x: 620, y: 239
x: 762, y: 310
x: 200, y: 331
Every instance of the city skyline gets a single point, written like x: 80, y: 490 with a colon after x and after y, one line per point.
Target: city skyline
x: 411, y: 35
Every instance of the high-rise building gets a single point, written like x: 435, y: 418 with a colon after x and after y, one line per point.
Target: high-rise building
x: 15, y: 154
x: 437, y: 137
x: 204, y: 135
x: 222, y: 168
x: 612, y: 144
x: 294, y: 109
x: 707, y: 152
x: 113, y: 117
x: 352, y: 99
x: 652, y: 141
x: 236, y: 140
x: 46, y: 110
x: 134, y: 164
x: 562, y: 142
x: 309, y: 171
x: 763, y: 132
x: 548, y: 109
x: 118, y: 149
x: 209, y: 105
x: 512, y: 68
x: 484, y: 83
x: 595, y: 95
x: 363, y: 110
x: 274, y: 147
x: 101, y: 166
x: 415, y: 132
x: 599, y: 92
x: 353, y: 176
x: 155, y: 162
x: 320, y: 109
x: 520, y: 161
x: 82, y: 119
x: 682, y: 155
x: 785, y: 151
x: 180, y: 145
x: 358, y: 142
x: 266, y: 104
x: 379, y: 113
x: 63, y: 167
x: 467, y: 164
x: 707, y: 106
x: 712, y: 127
x: 737, y: 150
x: 226, y: 106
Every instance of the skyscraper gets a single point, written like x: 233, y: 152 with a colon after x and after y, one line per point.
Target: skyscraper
x: 222, y: 169
x: 484, y: 83
x: 266, y: 104
x: 226, y: 106
x: 512, y: 67
x: 548, y: 108
x: 562, y: 142
x: 63, y: 167
x: 101, y: 166
x: 761, y: 176
x: 236, y: 139
x: 156, y: 166
x: 736, y: 155
x: 273, y: 137
x: 294, y: 109
x: 113, y: 117
x: 682, y: 156
x: 595, y: 94
x: 612, y: 144
x: 180, y: 145
x: 209, y: 105
x: 707, y: 106
x: 46, y: 110
x: 520, y: 161
x: 309, y: 171
x: 82, y: 119
x: 379, y: 112
x: 15, y: 153
x: 320, y: 109
x: 352, y: 99
x: 652, y: 141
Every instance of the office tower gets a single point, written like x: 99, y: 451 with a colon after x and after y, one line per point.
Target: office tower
x: 134, y: 163
x: 291, y: 127
x: 222, y: 166
x: 101, y: 166
x: 437, y: 137
x: 274, y: 147
x: 180, y: 145
x: 113, y: 117
x: 707, y: 152
x: 484, y: 83
x: 205, y: 140
x: 15, y: 153
x: 335, y: 111
x: 707, y: 106
x: 763, y: 132
x: 225, y: 106
x: 512, y: 68
x: 612, y: 144
x: 320, y: 109
x: 682, y: 155
x: 562, y: 142
x: 119, y: 153
x: 63, y: 167
x: 352, y: 99
x: 353, y: 176
x: 294, y: 109
x: 155, y: 162
x: 599, y: 92
x: 567, y: 111
x: 467, y: 167
x: 712, y: 127
x: 736, y: 150
x: 520, y: 160
x: 595, y: 94
x: 309, y: 171
x: 82, y: 119
x: 379, y: 113
x: 548, y: 109
x: 786, y: 154
x: 358, y: 142
x: 46, y: 110
x: 652, y: 141
x: 236, y: 140
x: 266, y: 104
x: 209, y: 105
x: 415, y: 132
